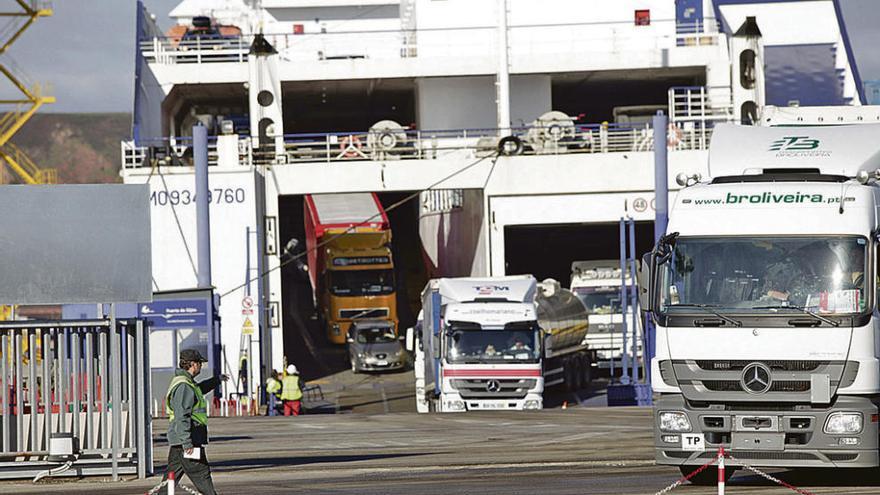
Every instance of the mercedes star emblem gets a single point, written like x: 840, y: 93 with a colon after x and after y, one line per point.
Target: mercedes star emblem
x: 756, y: 378
x: 493, y: 386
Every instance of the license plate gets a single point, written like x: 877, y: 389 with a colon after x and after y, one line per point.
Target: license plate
x: 693, y: 442
x: 382, y: 363
x: 494, y: 405
x: 758, y: 441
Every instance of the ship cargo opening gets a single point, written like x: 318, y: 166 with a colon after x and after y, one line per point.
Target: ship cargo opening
x: 547, y: 251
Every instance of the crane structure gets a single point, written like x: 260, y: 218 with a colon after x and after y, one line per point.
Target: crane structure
x: 31, y: 99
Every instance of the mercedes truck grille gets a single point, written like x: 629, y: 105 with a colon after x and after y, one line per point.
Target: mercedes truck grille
x: 776, y: 386
x: 757, y: 381
x: 493, y: 388
x: 722, y: 365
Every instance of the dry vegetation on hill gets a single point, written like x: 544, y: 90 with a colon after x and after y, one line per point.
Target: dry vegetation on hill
x: 84, y: 148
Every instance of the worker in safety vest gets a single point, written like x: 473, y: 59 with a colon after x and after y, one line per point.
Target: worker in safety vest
x: 273, y: 392
x: 188, y: 422
x: 291, y: 392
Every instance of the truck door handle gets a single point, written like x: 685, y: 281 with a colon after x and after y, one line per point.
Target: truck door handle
x: 804, y: 322
x: 709, y: 322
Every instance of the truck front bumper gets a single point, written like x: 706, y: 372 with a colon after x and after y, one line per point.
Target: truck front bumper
x: 769, y: 437
x: 454, y: 403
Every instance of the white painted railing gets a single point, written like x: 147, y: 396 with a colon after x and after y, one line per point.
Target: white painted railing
x: 531, y: 40
x: 432, y: 145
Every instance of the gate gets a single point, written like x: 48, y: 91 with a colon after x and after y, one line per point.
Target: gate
x: 88, y: 378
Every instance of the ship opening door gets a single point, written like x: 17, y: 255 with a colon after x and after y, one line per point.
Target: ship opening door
x: 547, y: 251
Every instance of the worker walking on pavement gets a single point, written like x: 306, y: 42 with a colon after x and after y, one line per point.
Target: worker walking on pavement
x: 188, y: 422
x: 291, y: 392
x: 273, y: 393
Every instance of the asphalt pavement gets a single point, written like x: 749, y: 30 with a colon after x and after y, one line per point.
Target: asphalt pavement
x: 376, y: 445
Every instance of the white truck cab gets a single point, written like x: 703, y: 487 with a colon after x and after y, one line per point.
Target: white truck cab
x: 478, y: 346
x: 597, y: 284
x: 764, y: 298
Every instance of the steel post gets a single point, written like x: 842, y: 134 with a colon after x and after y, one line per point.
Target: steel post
x: 633, y: 299
x: 32, y: 387
x: 503, y: 75
x: 116, y: 396
x: 4, y: 354
x: 19, y: 392
x: 661, y: 215
x: 45, y: 346
x: 624, y: 372
x: 203, y: 216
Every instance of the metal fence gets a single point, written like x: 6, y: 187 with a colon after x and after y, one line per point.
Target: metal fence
x: 408, y: 144
x: 441, y: 43
x: 87, y: 378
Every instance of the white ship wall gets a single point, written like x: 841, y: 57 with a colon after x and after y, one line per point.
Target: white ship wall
x: 175, y: 248
x: 469, y: 102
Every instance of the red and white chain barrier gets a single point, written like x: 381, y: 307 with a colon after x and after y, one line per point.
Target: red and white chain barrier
x: 719, y: 459
x: 690, y: 475
x: 768, y: 477
x: 169, y: 482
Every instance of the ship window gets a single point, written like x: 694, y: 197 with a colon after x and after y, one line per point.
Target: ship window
x: 747, y: 69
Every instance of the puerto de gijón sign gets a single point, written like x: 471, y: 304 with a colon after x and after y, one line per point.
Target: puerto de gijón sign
x: 182, y: 313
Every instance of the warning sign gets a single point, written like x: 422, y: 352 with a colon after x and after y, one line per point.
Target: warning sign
x: 247, y: 306
x: 247, y: 328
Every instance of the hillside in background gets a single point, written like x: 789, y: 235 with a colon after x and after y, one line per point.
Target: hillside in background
x: 83, y: 147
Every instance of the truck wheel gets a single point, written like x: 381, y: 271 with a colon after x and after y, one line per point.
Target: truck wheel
x: 586, y: 371
x: 577, y: 370
x: 706, y: 477
x: 570, y: 371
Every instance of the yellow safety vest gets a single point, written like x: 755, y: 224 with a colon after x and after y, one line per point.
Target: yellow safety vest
x: 273, y: 385
x: 200, y: 410
x: 290, y: 389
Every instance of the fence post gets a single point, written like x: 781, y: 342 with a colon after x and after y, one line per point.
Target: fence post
x: 116, y: 396
x: 4, y: 342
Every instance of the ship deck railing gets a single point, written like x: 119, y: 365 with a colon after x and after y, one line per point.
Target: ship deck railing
x: 468, y: 42
x: 414, y: 144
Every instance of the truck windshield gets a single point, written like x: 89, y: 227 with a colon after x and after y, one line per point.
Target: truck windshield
x: 469, y: 343
x: 825, y: 275
x: 361, y: 282
x: 600, y: 300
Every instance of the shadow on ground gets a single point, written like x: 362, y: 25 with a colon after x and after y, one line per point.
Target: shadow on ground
x: 244, y: 464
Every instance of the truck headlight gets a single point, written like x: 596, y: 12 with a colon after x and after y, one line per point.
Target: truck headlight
x: 844, y: 422
x: 674, y: 422
x: 455, y: 405
x: 336, y: 329
x: 532, y: 404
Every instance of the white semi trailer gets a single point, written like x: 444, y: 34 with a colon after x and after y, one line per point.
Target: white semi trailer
x: 764, y: 297
x: 484, y: 344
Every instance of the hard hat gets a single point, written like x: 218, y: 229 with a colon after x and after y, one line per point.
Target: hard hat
x: 291, y: 369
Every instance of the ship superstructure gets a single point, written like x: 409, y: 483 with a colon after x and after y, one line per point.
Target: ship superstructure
x: 403, y: 98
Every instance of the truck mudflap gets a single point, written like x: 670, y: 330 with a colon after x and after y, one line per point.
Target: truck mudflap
x: 771, y: 437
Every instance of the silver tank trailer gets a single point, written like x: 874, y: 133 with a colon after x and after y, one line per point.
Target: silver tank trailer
x: 563, y: 317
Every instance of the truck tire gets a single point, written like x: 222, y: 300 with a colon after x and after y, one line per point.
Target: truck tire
x: 571, y: 374
x: 706, y: 477
x: 586, y: 370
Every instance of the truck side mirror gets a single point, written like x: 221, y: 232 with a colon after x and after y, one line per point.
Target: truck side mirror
x: 644, y: 282
x: 435, y: 343
x: 410, y: 339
